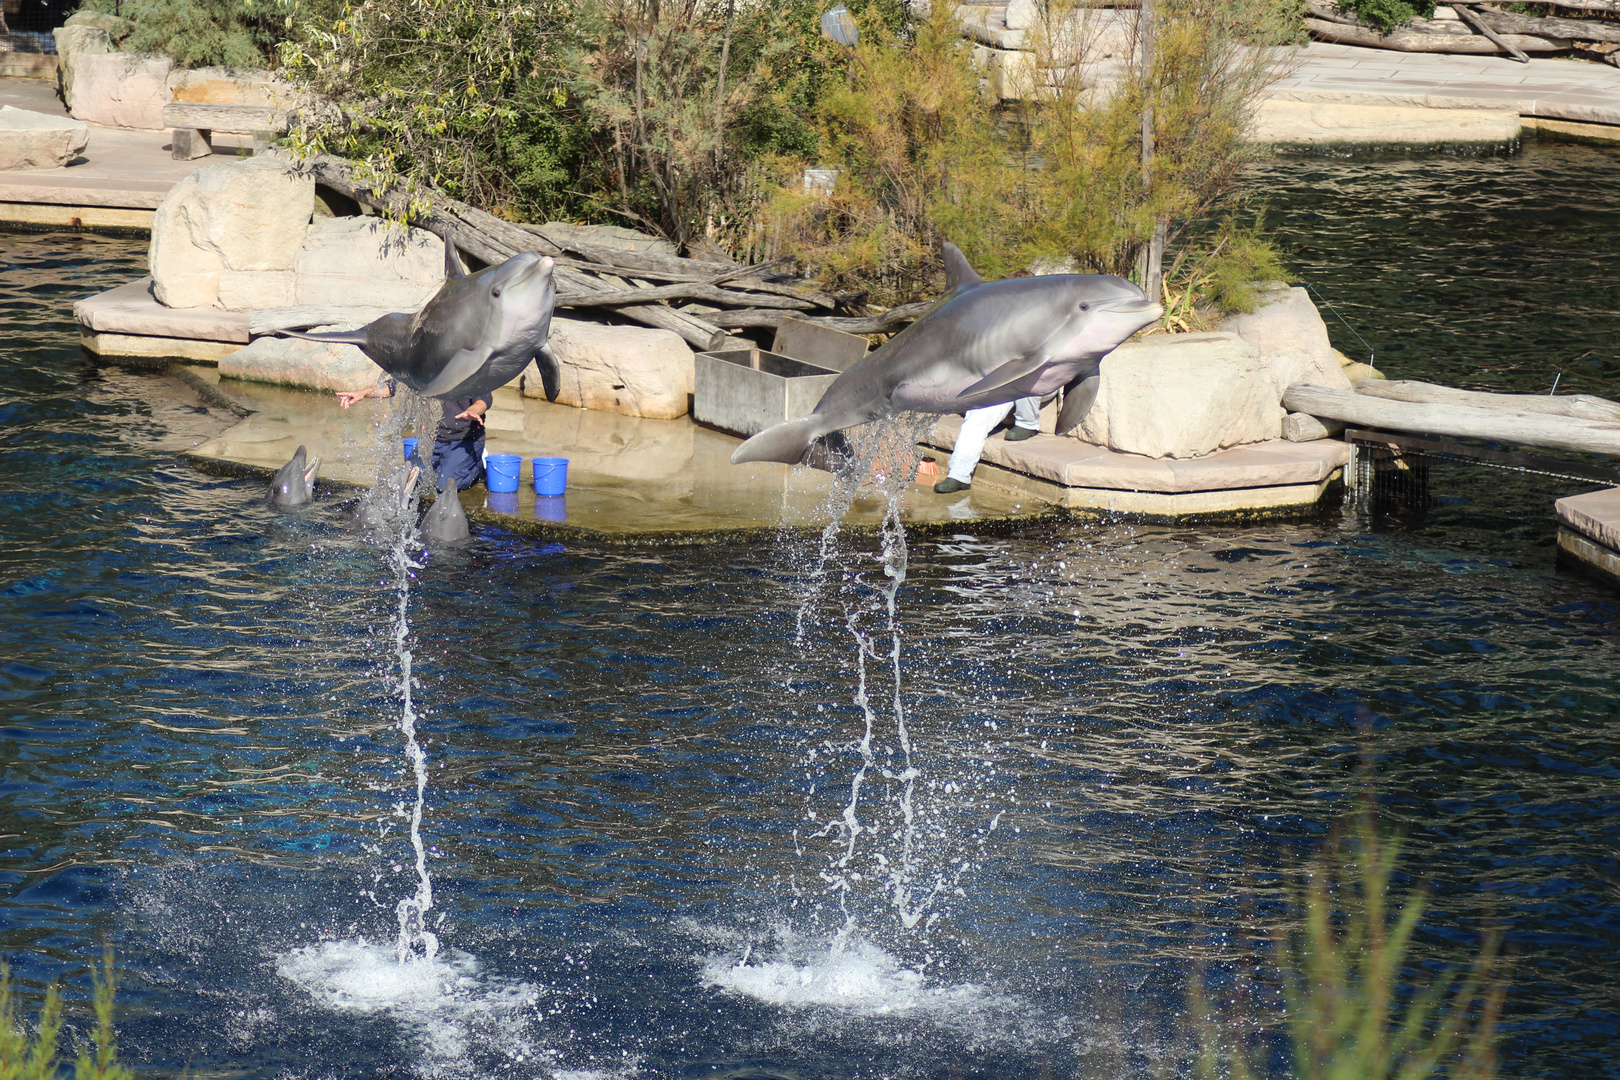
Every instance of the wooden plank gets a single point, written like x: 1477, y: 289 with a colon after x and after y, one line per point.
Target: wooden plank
x: 1581, y: 405
x: 1462, y: 421
x: 1572, y: 470
x: 185, y: 114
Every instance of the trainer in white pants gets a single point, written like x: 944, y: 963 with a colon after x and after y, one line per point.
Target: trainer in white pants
x: 976, y: 428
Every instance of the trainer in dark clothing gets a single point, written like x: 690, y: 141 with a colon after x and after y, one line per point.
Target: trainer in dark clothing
x: 458, y: 443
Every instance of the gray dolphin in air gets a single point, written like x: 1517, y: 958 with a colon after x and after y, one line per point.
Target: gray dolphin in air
x: 476, y: 334
x: 983, y: 343
x: 293, y: 486
x: 446, y: 520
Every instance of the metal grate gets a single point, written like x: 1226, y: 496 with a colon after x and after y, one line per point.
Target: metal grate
x: 1391, y: 472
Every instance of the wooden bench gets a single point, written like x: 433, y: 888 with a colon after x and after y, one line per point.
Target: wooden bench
x: 194, y: 125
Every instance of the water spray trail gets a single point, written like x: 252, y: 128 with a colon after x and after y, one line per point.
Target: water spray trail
x: 415, y: 942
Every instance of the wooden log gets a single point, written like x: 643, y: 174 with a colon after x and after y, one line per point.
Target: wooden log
x: 269, y: 320
x: 1402, y: 40
x: 1607, y: 7
x: 681, y: 291
x: 1473, y: 20
x: 1508, y: 23
x: 1458, y: 421
x: 1584, y: 406
x: 888, y: 322
x: 1302, y: 427
x: 240, y: 118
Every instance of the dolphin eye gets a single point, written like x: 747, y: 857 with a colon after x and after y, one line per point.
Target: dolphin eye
x: 1085, y: 307
x: 495, y: 291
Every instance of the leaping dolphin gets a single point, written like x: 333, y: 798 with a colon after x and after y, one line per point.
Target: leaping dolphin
x: 293, y: 484
x: 476, y: 334
x: 983, y: 343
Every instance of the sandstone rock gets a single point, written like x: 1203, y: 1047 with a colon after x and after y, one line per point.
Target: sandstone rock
x: 1292, y: 340
x: 318, y: 365
x: 248, y: 215
x: 616, y: 237
x: 75, y: 40
x: 125, y: 90
x: 1022, y: 14
x: 631, y: 370
x: 230, y: 86
x: 1183, y: 396
x: 112, y: 25
x: 31, y: 140
x: 1312, y: 123
x: 1356, y: 372
x: 365, y: 261
x: 253, y: 290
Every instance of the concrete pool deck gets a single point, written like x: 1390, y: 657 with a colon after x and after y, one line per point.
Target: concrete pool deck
x: 635, y: 480
x: 630, y: 480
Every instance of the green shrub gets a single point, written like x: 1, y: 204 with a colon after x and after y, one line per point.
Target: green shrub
x: 1389, y: 14
x: 33, y: 1056
x: 199, y: 33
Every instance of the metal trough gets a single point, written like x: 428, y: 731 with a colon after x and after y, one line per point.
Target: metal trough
x: 744, y: 391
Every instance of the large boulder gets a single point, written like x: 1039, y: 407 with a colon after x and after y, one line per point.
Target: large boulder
x: 366, y: 262
x: 126, y: 90
x: 318, y: 365
x: 72, y: 40
x: 244, y: 216
x: 1183, y: 396
x: 631, y: 370
x: 31, y: 140
x: 1292, y: 339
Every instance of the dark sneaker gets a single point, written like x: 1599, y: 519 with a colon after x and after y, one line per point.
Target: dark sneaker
x: 1019, y: 434
x: 949, y: 486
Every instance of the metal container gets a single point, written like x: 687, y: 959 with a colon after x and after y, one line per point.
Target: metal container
x: 744, y: 391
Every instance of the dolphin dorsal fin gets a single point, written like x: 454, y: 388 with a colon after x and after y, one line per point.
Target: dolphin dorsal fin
x: 453, y: 267
x: 958, y: 274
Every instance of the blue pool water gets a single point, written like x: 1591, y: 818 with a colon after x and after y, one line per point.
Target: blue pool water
x: 1123, y: 732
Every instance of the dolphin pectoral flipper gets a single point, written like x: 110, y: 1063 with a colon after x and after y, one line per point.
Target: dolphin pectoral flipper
x: 463, y: 365
x: 550, y: 373
x: 1003, y: 378
x: 1078, y: 397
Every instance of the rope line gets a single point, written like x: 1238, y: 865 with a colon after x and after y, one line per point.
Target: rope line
x: 1341, y: 318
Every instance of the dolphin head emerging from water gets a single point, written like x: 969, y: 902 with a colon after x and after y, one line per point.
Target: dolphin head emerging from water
x: 446, y: 520
x: 293, y: 485
x: 983, y: 343
x: 476, y: 334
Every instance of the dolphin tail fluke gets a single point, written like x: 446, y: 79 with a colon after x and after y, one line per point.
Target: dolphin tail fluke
x: 1078, y: 398
x: 786, y: 442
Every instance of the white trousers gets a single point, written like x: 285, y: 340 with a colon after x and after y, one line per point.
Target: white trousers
x: 976, y: 428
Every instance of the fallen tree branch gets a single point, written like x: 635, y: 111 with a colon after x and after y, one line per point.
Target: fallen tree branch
x: 1509, y: 23
x: 1472, y: 19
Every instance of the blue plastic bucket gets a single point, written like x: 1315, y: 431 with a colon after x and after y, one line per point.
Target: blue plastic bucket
x: 410, y: 448
x: 550, y: 508
x: 502, y: 502
x: 550, y: 475
x: 501, y: 471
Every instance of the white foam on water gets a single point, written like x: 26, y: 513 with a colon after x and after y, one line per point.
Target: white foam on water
x: 449, y: 1008
x: 856, y: 977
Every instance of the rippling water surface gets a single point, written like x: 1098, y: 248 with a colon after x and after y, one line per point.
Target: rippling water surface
x: 1123, y: 732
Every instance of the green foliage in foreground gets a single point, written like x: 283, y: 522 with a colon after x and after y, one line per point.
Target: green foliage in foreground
x: 199, y: 33
x: 1357, y: 1008
x: 1389, y: 14
x: 33, y: 1056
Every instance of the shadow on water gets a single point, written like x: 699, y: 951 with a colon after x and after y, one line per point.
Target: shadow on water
x: 1124, y: 733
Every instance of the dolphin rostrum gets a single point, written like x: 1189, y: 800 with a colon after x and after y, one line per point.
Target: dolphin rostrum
x: 446, y: 520
x: 385, y: 505
x: 293, y: 484
x: 477, y: 333
x: 983, y: 343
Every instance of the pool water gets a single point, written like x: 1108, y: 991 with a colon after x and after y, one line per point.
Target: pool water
x: 1123, y: 734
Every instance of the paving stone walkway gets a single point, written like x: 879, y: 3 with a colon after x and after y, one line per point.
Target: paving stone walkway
x: 1559, y: 89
